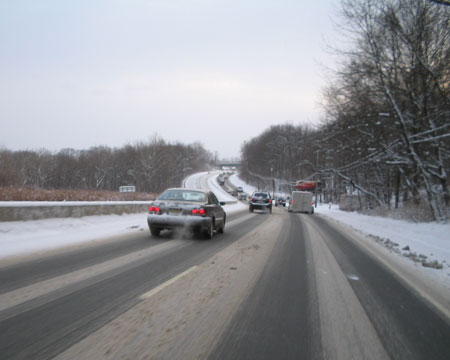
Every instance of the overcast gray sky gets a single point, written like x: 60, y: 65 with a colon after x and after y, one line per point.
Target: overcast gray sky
x: 110, y: 72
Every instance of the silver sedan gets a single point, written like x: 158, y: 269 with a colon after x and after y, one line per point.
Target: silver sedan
x: 197, y: 210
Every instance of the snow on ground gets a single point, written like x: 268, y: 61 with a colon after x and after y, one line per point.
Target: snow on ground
x: 430, y: 239
x: 21, y: 237
x: 236, y: 181
x: 196, y: 181
x: 428, y: 242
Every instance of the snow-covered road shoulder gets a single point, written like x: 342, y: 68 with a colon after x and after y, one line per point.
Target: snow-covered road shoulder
x: 22, y: 237
x: 425, y: 244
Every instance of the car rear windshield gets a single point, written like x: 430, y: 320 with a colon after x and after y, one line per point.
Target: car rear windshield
x: 183, y: 195
x: 264, y: 195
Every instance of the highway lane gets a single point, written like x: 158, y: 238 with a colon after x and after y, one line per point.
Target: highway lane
x: 322, y: 297
x: 285, y: 286
x: 406, y: 325
x: 278, y: 319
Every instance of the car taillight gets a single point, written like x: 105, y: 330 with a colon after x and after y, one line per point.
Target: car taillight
x: 200, y: 212
x: 311, y: 202
x: 154, y: 209
x: 270, y: 200
x: 251, y: 199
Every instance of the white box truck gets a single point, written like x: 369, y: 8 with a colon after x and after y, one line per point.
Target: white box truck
x: 301, y: 201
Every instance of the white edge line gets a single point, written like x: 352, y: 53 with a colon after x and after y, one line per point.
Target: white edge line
x: 165, y: 284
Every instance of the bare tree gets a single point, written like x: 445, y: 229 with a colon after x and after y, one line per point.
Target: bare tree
x: 150, y: 166
x: 397, y: 76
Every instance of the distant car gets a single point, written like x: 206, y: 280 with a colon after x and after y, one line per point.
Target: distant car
x: 239, y: 189
x: 198, y: 210
x: 280, y: 201
x: 242, y: 196
x: 260, y: 200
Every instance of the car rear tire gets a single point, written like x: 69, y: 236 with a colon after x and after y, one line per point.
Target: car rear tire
x: 155, y: 231
x: 209, y: 232
x: 221, y: 230
x: 250, y: 209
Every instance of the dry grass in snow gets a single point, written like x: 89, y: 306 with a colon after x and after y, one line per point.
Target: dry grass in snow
x: 37, y: 194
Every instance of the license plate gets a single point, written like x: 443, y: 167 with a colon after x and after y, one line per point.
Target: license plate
x: 175, y: 211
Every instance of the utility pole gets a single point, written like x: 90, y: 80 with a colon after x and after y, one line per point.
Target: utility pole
x: 273, y: 183
x: 317, y: 178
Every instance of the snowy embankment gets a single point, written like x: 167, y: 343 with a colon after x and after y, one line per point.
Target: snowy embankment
x: 427, y: 244
x: 22, y: 237
x: 236, y: 181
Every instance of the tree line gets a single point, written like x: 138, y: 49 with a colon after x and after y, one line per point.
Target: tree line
x: 386, y: 134
x: 150, y: 166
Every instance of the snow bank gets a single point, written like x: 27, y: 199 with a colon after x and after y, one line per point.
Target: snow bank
x: 236, y: 181
x: 427, y: 242
x: 20, y: 237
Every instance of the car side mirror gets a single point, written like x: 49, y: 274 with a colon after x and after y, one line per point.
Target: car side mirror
x: 222, y: 203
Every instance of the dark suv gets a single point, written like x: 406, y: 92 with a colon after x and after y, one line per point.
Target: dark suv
x: 260, y: 200
x: 280, y: 201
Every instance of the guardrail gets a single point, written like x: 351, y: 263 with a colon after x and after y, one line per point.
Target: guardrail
x: 36, y: 210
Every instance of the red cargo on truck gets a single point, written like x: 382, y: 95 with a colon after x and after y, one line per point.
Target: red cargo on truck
x: 307, y: 185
